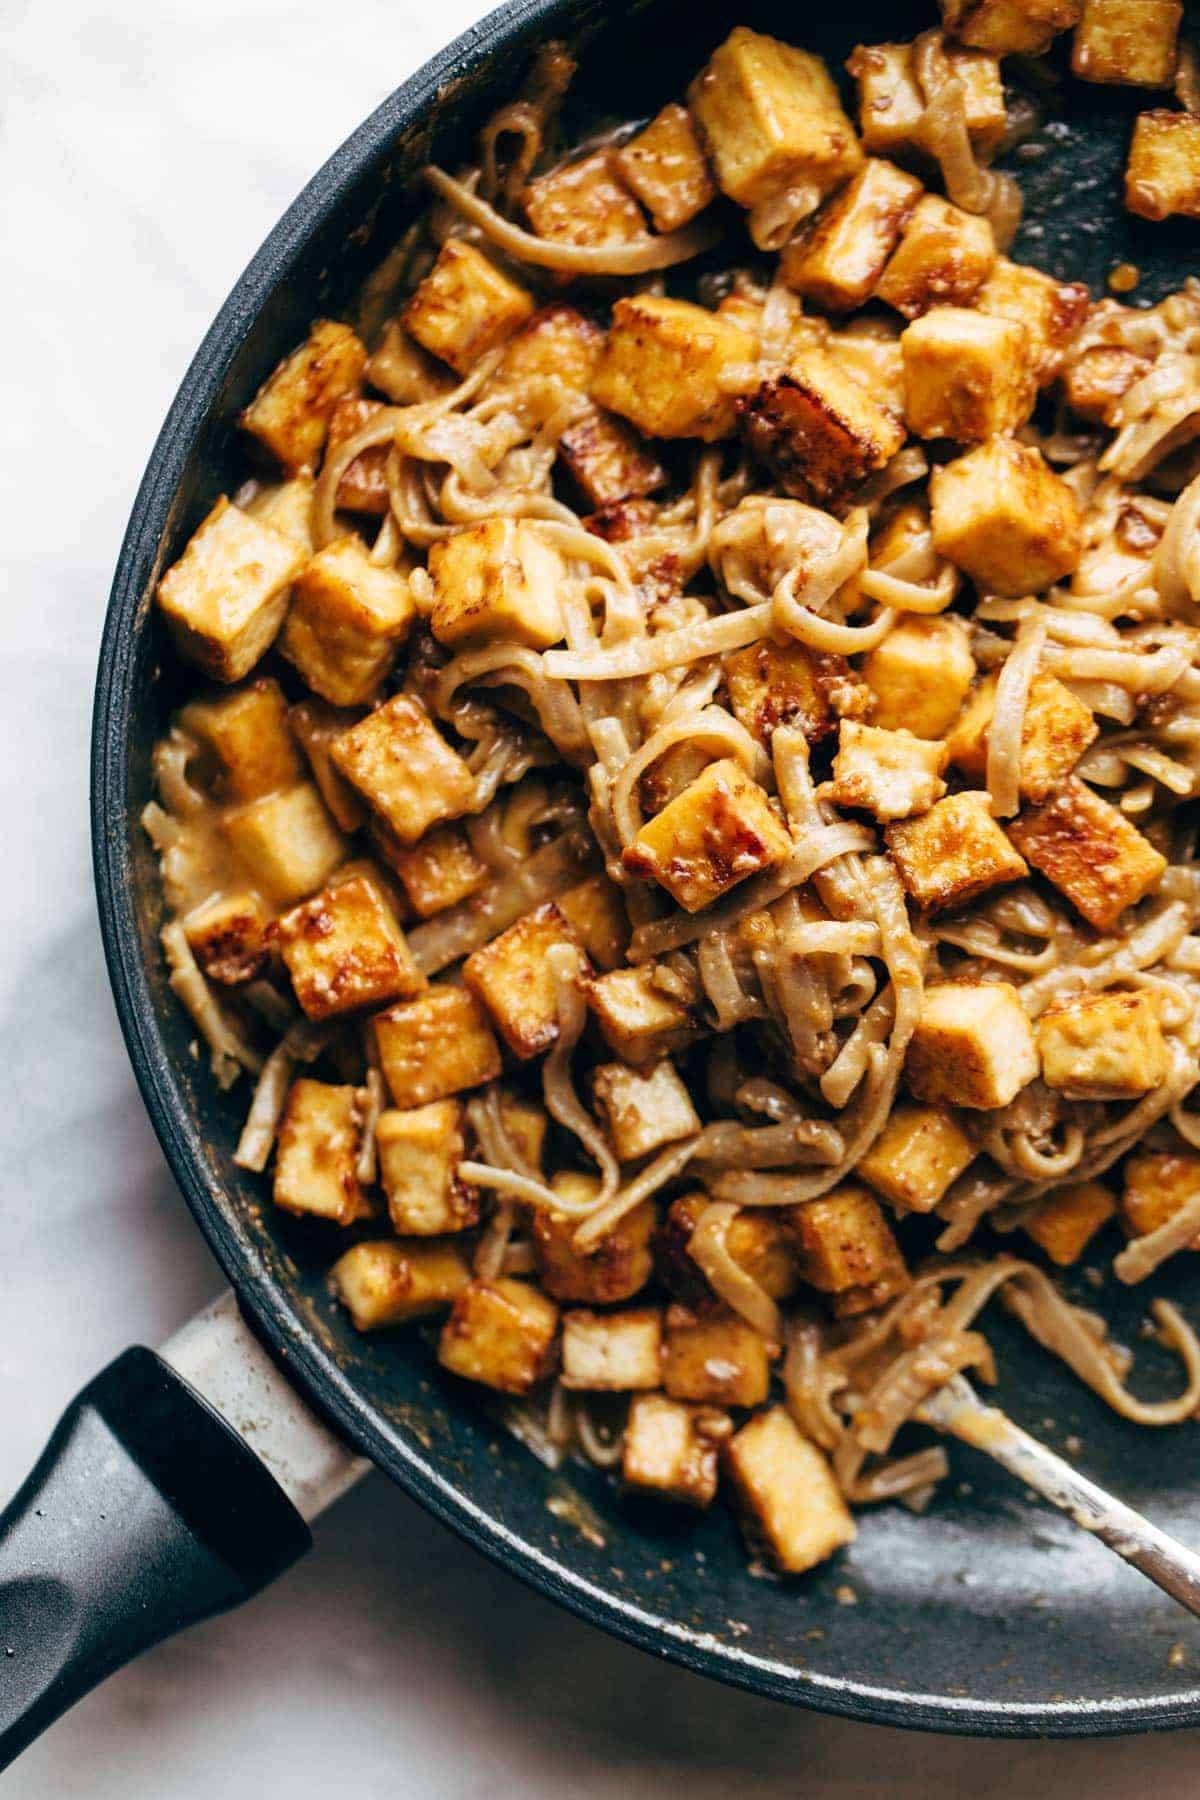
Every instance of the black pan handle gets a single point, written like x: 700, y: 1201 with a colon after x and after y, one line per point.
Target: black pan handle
x: 145, y: 1513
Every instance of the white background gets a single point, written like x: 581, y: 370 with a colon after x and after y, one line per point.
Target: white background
x: 146, y: 147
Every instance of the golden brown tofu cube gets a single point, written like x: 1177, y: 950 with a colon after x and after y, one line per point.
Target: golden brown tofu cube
x: 818, y: 430
x: 644, y: 1111
x: 662, y: 366
x: 772, y: 684
x: 1130, y: 42
x: 584, y: 202
x: 973, y: 1046
x: 343, y: 950
x: 1010, y: 27
x: 607, y: 460
x: 1102, y: 1046
x: 465, y: 307
x: 287, y: 842
x: 1098, y: 378
x: 316, y: 725
x: 553, y: 355
x: 756, y: 1242
x: 1057, y: 729
x: 248, y: 735
x: 786, y: 1493
x: 389, y: 1283
x: 286, y: 506
x: 363, y: 488
x: 1162, y: 176
x: 612, y: 1352
x: 347, y: 620
x: 228, y: 937
x: 720, y: 830
x: 1090, y: 852
x: 501, y: 1333
x: 316, y: 1154
x: 639, y: 1022
x: 616, y: 1269
x: 439, y: 870
x: 225, y: 599
x: 595, y: 911
x: 1003, y: 516
x: 525, y: 1124
x: 513, y: 978
x: 891, y: 106
x: 404, y: 769
x: 953, y: 853
x: 839, y: 256
x: 290, y: 414
x: 920, y: 675
x: 917, y: 1157
x: 1051, y: 311
x: 399, y: 368
x: 967, y: 376
x: 666, y: 168
x: 419, y: 1154
x: 846, y: 1243
x: 1064, y: 1225
x: 943, y: 259
x: 671, y: 1450
x: 889, y: 773
x: 499, y: 579
x: 714, y: 1357
x: 1158, y: 1183
x: 437, y: 1045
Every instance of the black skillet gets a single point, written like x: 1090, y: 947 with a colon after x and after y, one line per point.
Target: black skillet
x: 987, y: 1615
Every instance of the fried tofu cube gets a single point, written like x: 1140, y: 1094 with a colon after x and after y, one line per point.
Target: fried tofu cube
x: 402, y: 766
x: 846, y: 1245
x: 665, y: 166
x: 772, y: 684
x: 967, y: 376
x: 1098, y: 378
x: 399, y: 368
x: 419, y: 1154
x: 714, y: 1357
x: 612, y: 1353
x: 671, y: 1450
x: 953, y: 853
x: 1065, y: 1224
x: 917, y: 1157
x: 889, y: 773
x: 1051, y: 311
x: 662, y: 367
x: 465, y: 307
x: 1131, y: 42
x: 1089, y: 851
x: 891, y: 106
x: 287, y: 842
x: 435, y: 1046
x: 1107, y: 1046
x: 553, y: 355
x: 1010, y: 27
x: 818, y: 430
x: 290, y: 414
x: 363, y: 488
x: 499, y: 579
x: 1158, y: 1184
x: 639, y: 1021
x: 316, y: 1154
x: 501, y: 1333
x: 228, y: 937
x: 1162, y: 176
x: 585, y: 202
x: 719, y: 831
x: 621, y: 1263
x: 225, y: 599
x: 286, y: 506
x: 525, y: 1124
x: 920, y: 675
x: 248, y: 735
x: 972, y: 1047
x: 347, y: 620
x: 786, y: 1493
x: 344, y: 950
x: 1003, y: 516
x: 607, y: 461
x: 439, y: 870
x: 595, y: 911
x: 840, y: 254
x: 756, y: 1242
x: 513, y: 977
x: 644, y: 1111
x: 943, y: 259
x: 387, y: 1283
x: 1057, y: 729
x: 315, y: 725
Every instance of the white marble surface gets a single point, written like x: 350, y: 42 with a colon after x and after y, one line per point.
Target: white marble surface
x: 145, y: 149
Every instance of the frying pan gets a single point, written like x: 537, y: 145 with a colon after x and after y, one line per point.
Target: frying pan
x: 149, y: 1510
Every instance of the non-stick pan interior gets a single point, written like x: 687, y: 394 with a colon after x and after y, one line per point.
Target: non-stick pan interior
x: 987, y: 1613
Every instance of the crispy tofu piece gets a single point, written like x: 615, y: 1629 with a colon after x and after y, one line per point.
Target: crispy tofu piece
x: 347, y: 620
x: 1010, y: 27
x: 1098, y: 378
x: 286, y: 506
x: 967, y: 375
x: 514, y: 980
x: 953, y: 853
x: 755, y: 1240
x: 316, y: 1154
x: 554, y: 354
x: 920, y: 675
x: 1131, y: 42
x: 526, y: 1124
x: 1003, y: 516
x: 388, y: 1283
x: 402, y: 766
x: 639, y: 1022
x: 943, y: 259
x: 644, y: 1111
x: 502, y: 1333
x: 1052, y: 312
x: 291, y: 411
x: 1065, y: 1223
x: 1105, y: 1046
x: 818, y: 430
x: 1090, y: 852
x: 714, y: 1357
x: 499, y: 579
x: 315, y: 725
x: 672, y: 1450
x: 399, y: 368
x: 662, y: 366
x: 665, y: 166
x: 1162, y: 176
x: 891, y: 106
x: 772, y: 684
x: 595, y: 911
x: 612, y: 1353
x: 973, y: 1046
x: 847, y: 1247
x: 717, y: 832
x: 344, y: 950
x: 917, y: 1157
x: 228, y: 937
x: 248, y: 735
x: 435, y: 1046
x: 363, y: 488
x: 439, y: 870
x: 1158, y: 1183
x: 585, y: 202
x: 287, y: 842
x: 620, y: 1265
x: 889, y: 773
x: 1057, y: 729
x: 608, y: 461
x: 839, y: 256
x: 419, y: 1154
x: 225, y: 599
x: 465, y: 307
x: 786, y: 1493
